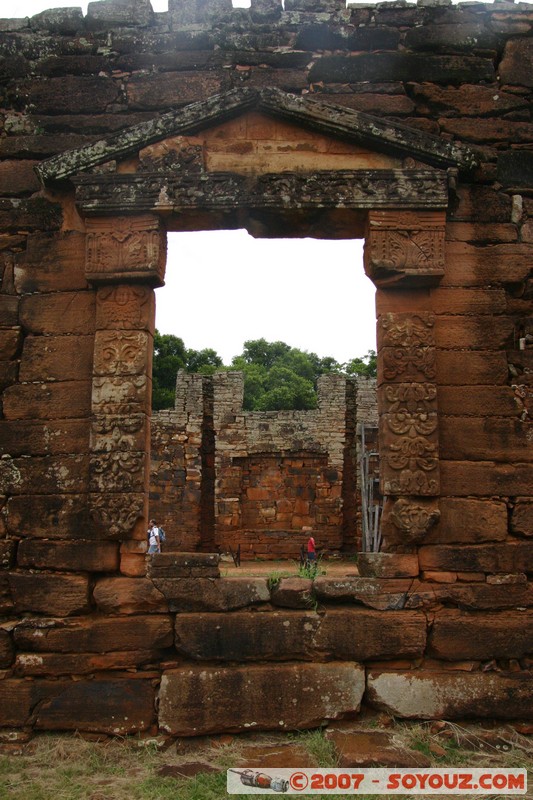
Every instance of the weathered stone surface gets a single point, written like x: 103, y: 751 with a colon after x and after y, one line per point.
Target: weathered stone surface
x: 469, y: 266
x: 10, y: 340
x: 6, y: 650
x: 509, y: 557
x: 8, y: 374
x: 119, y: 707
x: 128, y: 596
x: 515, y: 168
x: 97, y: 634
x: 300, y: 635
x: 372, y: 634
x: 184, y: 565
x: 9, y: 309
x: 87, y: 556
x: 241, y: 636
x: 207, y: 594
x: 8, y: 549
x: 404, y: 67
x: 371, y: 592
x: 477, y: 401
x: 18, y: 177
x: 52, y: 263
x: 238, y: 698
x: 48, y: 516
x: 6, y: 600
x: 50, y: 593
x: 460, y: 37
x: 127, y: 13
x: 33, y: 214
x: 43, y: 475
x: 488, y: 368
x: 29, y: 438
x: 64, y: 400
x: 471, y: 439
x: 485, y: 478
x: 293, y: 593
x: 469, y: 521
x: 522, y: 519
x: 387, y: 565
x: 162, y: 91
x: 467, y: 100
x: 447, y: 695
x: 369, y: 748
x: 481, y: 333
x: 44, y: 664
x: 458, y: 635
x: 58, y: 20
x: 59, y: 313
x: 73, y: 93
x: 516, y: 66
x: 61, y: 358
x: 484, y: 131
x: 472, y: 596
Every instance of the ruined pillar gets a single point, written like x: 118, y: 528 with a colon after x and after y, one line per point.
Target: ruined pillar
x: 125, y: 260
x: 404, y: 253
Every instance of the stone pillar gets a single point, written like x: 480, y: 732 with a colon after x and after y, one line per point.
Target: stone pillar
x: 125, y: 259
x: 405, y: 251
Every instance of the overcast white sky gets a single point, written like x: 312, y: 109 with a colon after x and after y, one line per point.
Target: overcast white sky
x: 225, y: 287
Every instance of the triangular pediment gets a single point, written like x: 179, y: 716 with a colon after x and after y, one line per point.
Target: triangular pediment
x: 382, y: 143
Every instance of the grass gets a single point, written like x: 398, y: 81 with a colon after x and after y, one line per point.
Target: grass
x: 66, y: 767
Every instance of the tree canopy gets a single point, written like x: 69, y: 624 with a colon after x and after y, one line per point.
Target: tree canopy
x: 276, y: 376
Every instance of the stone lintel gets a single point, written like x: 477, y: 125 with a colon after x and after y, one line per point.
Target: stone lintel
x: 354, y: 189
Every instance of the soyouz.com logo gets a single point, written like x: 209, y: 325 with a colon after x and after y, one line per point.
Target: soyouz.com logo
x: 459, y: 781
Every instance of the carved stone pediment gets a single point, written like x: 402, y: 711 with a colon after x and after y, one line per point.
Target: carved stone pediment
x: 353, y: 128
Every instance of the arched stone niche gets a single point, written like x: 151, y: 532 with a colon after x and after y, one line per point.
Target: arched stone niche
x: 278, y: 165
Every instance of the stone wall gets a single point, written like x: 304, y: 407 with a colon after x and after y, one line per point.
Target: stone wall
x: 438, y: 182
x: 273, y: 473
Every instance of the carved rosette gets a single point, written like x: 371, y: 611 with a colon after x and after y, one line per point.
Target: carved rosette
x: 405, y: 248
x: 408, y: 426
x: 125, y: 249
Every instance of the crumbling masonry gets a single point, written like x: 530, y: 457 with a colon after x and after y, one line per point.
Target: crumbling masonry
x: 409, y: 126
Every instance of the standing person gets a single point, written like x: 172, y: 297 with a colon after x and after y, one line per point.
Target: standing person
x: 311, y: 550
x: 154, y: 541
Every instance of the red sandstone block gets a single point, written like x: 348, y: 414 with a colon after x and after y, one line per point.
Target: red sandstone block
x: 481, y: 203
x: 522, y: 518
x: 68, y: 399
x: 49, y: 516
x: 469, y: 521
x: 59, y: 313
x: 473, y: 596
x: 473, y: 333
x: 483, y: 233
x: 480, y: 401
x: 8, y: 374
x: 336, y: 689
x: 483, y: 367
x: 467, y: 265
x: 133, y: 565
x: 439, y: 577
x: 508, y: 557
x: 57, y: 358
x: 50, y: 593
x: 484, y: 479
x: 451, y: 695
x: 128, y: 596
x: 6, y: 650
x: 25, y: 437
x: 96, y: 634
x: 52, y: 263
x: 457, y: 635
x: 71, y: 94
x: 157, y: 92
x: 387, y: 565
x: 10, y: 341
x: 43, y: 664
x: 80, y: 555
x: 46, y: 475
x: 18, y: 178
x: 482, y: 439
x: 9, y: 310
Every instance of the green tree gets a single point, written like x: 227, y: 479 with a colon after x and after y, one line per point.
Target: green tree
x: 367, y: 365
x: 205, y: 361
x: 170, y: 356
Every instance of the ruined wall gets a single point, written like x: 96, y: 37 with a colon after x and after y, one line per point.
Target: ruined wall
x: 273, y: 473
x: 99, y: 641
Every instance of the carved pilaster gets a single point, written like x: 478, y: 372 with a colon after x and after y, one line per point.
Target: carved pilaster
x: 405, y: 248
x: 408, y: 427
x: 125, y: 249
x: 121, y: 394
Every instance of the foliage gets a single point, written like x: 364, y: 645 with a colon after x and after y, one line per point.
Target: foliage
x: 276, y: 376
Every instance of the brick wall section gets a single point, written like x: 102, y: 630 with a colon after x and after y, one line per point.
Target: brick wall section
x: 273, y: 473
